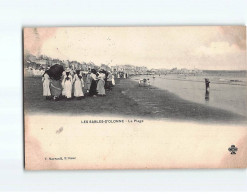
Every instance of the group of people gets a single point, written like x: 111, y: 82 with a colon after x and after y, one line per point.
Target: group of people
x: 35, y: 71
x: 144, y: 82
x: 72, y: 84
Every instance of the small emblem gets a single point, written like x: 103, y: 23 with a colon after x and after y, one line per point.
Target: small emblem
x: 233, y: 149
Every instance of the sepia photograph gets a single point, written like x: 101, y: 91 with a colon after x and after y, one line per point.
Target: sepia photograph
x: 135, y: 97
x: 123, y: 96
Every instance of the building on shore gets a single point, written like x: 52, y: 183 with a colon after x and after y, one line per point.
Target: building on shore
x: 130, y: 69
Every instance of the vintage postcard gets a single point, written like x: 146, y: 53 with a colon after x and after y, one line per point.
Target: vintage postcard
x: 135, y: 97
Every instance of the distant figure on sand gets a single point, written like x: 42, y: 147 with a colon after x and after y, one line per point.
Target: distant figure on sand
x: 142, y: 81
x: 46, y: 85
x: 207, y: 89
x: 78, y: 85
x: 207, y: 84
x: 67, y: 85
x: 93, y: 87
x: 148, y: 82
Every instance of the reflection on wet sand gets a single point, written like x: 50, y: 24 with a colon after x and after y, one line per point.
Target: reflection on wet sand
x: 207, y: 95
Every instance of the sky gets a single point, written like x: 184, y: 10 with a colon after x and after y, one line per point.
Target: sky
x: 201, y: 47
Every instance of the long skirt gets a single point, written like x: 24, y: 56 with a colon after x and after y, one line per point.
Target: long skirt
x: 108, y: 84
x: 93, y: 87
x: 67, y: 89
x: 100, y: 87
x: 88, y: 86
x: 46, y: 88
x: 78, y: 89
x: 63, y: 89
x: 56, y: 88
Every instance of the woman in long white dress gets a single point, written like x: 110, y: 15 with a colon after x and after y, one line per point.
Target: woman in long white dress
x: 113, y: 79
x: 46, y: 85
x: 67, y: 85
x: 63, y: 76
x: 78, y: 85
x: 101, y: 84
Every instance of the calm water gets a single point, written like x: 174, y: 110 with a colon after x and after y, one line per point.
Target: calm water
x: 227, y: 91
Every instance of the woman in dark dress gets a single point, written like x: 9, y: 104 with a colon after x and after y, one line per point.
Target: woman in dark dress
x: 93, y: 87
x: 56, y: 89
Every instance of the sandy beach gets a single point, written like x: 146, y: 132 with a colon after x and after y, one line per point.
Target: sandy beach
x: 222, y: 94
x: 127, y: 99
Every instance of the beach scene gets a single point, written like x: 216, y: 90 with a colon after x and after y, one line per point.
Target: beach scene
x: 176, y: 97
x: 135, y: 97
x: 227, y: 88
x: 180, y: 73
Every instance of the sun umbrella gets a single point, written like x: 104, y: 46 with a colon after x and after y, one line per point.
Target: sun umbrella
x: 55, y: 72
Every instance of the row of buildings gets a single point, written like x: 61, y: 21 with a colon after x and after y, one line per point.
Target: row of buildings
x: 42, y: 62
x: 180, y: 71
x: 130, y: 69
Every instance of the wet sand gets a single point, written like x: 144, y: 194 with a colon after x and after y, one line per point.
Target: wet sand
x: 127, y: 99
x: 226, y: 96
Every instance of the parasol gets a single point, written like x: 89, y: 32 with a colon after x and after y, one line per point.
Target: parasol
x: 55, y: 72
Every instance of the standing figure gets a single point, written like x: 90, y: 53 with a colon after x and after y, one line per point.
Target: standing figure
x: 88, y: 81
x: 63, y: 77
x: 207, y: 84
x: 78, y: 85
x: 67, y: 85
x: 56, y: 89
x: 93, y: 91
x: 101, y: 84
x: 109, y: 81
x: 46, y: 85
x: 148, y: 82
x: 207, y: 89
x: 144, y: 82
x: 118, y: 75
x: 113, y: 80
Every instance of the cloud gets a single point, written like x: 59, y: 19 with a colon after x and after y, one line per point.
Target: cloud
x: 216, y: 48
x: 235, y: 35
x: 203, y: 47
x: 34, y: 38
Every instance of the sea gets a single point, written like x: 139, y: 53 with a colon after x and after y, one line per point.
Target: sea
x: 228, y: 89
